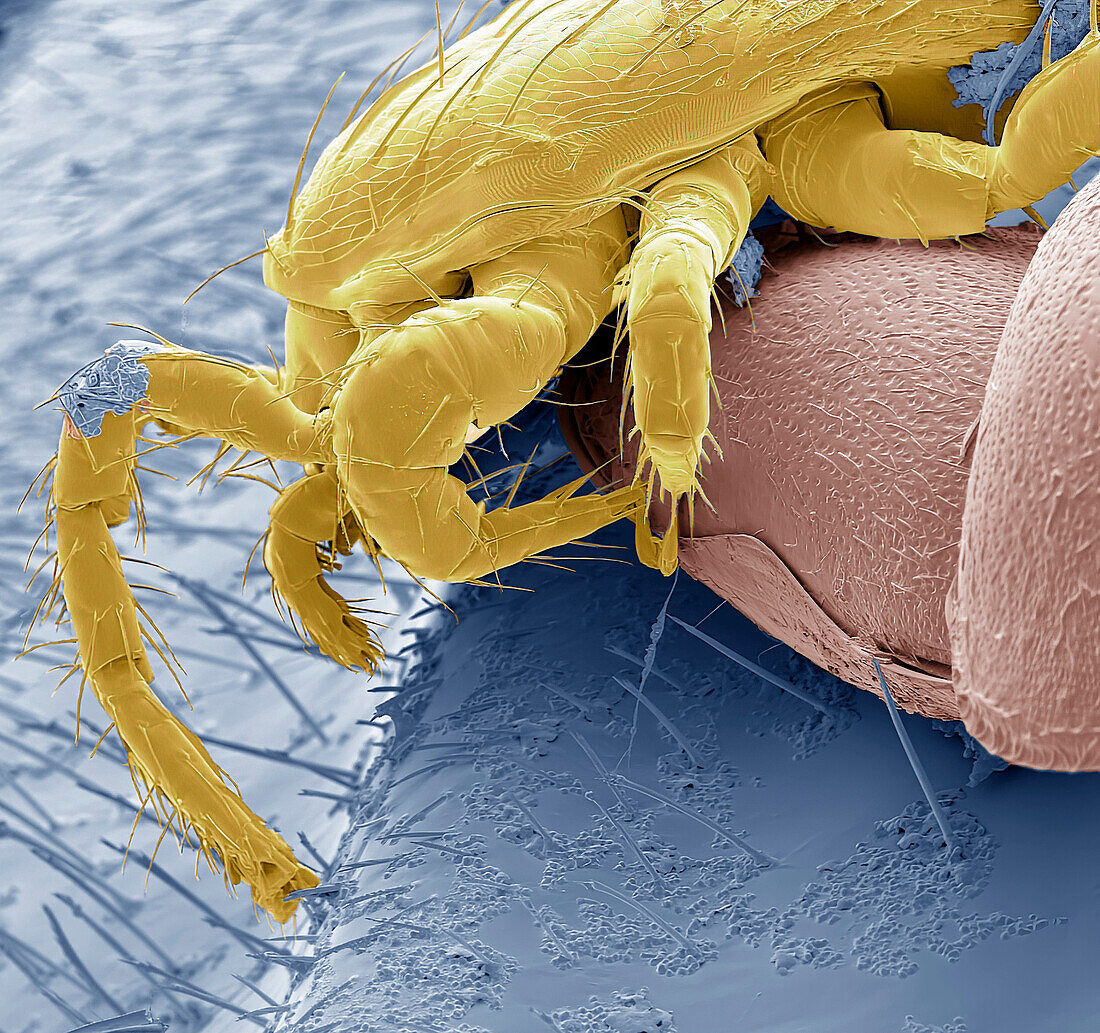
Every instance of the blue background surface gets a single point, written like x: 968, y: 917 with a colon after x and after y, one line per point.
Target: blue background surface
x: 141, y: 147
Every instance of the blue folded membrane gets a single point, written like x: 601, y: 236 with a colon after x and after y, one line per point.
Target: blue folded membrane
x: 115, y: 382
x: 994, y: 75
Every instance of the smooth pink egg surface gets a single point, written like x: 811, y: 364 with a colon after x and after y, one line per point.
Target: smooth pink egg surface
x: 1025, y: 617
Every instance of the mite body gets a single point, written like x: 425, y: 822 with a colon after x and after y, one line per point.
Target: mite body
x: 462, y: 238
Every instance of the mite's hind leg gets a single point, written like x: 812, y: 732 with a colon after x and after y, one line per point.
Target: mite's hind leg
x: 402, y: 416
x: 1054, y: 126
x: 693, y: 223
x: 839, y: 165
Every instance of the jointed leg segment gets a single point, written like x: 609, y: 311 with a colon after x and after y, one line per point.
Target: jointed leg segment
x: 92, y: 490
x: 692, y: 226
x: 310, y: 511
x: 840, y: 166
x: 1054, y: 126
x: 402, y: 416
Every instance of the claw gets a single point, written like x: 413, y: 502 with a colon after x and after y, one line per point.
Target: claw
x: 659, y: 553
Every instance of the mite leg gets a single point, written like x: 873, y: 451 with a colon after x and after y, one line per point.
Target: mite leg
x: 840, y: 166
x: 693, y: 223
x: 310, y: 511
x: 401, y: 418
x: 1054, y: 126
x: 318, y: 342
x: 92, y: 490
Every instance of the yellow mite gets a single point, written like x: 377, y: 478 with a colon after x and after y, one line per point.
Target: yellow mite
x: 461, y: 240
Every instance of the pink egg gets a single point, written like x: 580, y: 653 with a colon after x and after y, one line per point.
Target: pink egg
x: 1025, y: 614
x: 853, y: 462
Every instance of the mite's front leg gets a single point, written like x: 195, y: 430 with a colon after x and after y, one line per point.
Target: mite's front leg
x: 403, y: 414
x: 307, y: 513
x: 692, y: 226
x: 92, y: 490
